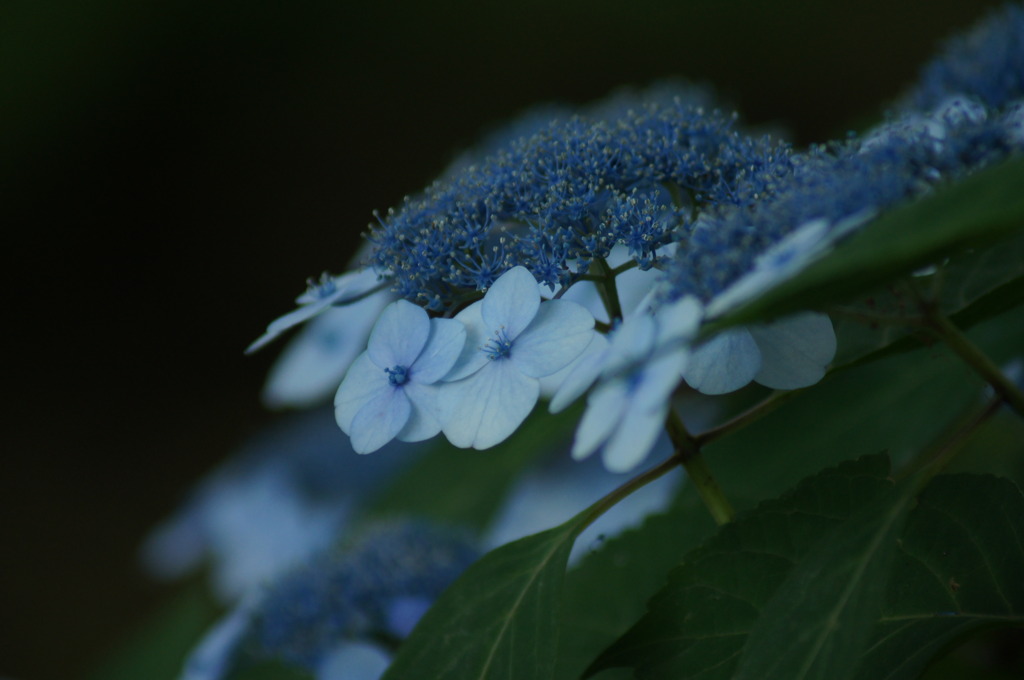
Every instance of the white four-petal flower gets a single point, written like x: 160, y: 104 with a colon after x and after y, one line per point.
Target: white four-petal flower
x: 783, y: 355
x: 512, y: 341
x: 318, y: 297
x: 626, y: 410
x: 390, y: 391
x: 316, y: 359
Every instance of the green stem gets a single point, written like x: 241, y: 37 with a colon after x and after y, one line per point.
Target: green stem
x: 608, y: 291
x: 972, y: 355
x: 624, y: 267
x: 935, y: 458
x: 606, y: 502
x: 688, y: 452
x: 755, y: 412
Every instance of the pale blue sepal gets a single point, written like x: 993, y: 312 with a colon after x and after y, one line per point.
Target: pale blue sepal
x: 630, y: 344
x: 424, y: 418
x: 399, y: 335
x: 559, y: 333
x: 723, y: 364
x: 634, y: 436
x: 363, y: 380
x: 489, y: 405
x: 660, y: 376
x: 444, y: 345
x: 472, y: 357
x: 580, y: 375
x: 511, y: 302
x: 679, y: 322
x: 604, y: 411
x: 347, y: 285
x: 795, y: 351
x: 380, y: 420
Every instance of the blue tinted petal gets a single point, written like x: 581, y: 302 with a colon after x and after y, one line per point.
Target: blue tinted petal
x: 380, y: 420
x: 472, y: 358
x: 489, y: 405
x: 559, y: 333
x: 512, y: 302
x: 725, y: 363
x: 399, y: 335
x: 582, y: 374
x: 363, y: 380
x: 795, y: 351
x: 443, y: 348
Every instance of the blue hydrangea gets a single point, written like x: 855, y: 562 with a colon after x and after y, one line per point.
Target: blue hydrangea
x: 564, y: 195
x: 834, y: 184
x: 371, y: 589
x: 986, y: 62
x: 638, y: 373
x: 286, y: 495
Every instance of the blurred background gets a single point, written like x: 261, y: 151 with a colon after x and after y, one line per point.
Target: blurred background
x: 172, y: 171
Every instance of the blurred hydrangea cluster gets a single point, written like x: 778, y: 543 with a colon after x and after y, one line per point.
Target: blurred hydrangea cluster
x: 307, y: 582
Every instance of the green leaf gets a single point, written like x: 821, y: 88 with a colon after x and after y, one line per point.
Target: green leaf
x: 971, y: 275
x: 697, y: 625
x: 816, y: 584
x: 898, y: 404
x: 969, y: 214
x: 607, y: 592
x: 500, y: 619
x: 972, y: 287
x: 819, y: 621
x: 958, y: 571
x: 466, y: 488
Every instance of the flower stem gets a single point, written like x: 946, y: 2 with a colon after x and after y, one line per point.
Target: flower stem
x: 616, y: 495
x: 607, y: 289
x: 935, y: 458
x: 624, y: 267
x: 688, y: 452
x: 972, y: 355
x: 755, y: 412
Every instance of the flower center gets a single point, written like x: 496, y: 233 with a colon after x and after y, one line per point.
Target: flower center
x: 397, y: 376
x: 498, y: 347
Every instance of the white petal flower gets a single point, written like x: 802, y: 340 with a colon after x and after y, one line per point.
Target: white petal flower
x: 512, y: 340
x: 725, y: 363
x: 389, y: 391
x: 785, y: 259
x: 313, y: 364
x: 626, y: 411
x: 784, y: 355
x: 795, y: 350
x: 317, y: 298
x: 577, y: 378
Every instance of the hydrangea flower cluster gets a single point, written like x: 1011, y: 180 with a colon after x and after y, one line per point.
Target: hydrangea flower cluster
x: 834, y: 188
x: 503, y: 265
x: 476, y: 376
x: 986, y: 63
x: 375, y: 588
x: 555, y: 200
x: 577, y: 255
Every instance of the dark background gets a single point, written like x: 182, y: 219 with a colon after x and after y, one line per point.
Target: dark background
x: 171, y: 172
